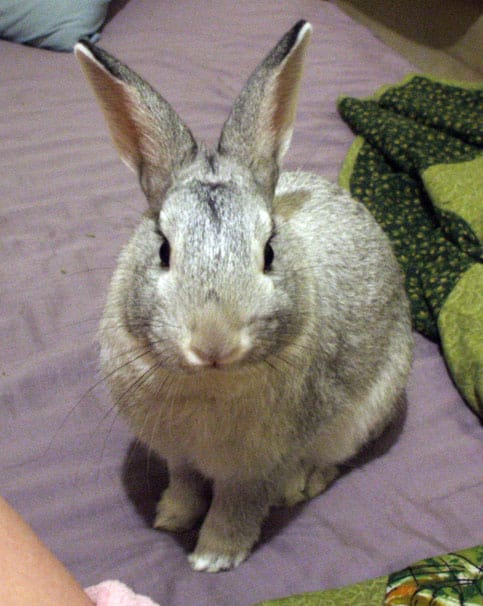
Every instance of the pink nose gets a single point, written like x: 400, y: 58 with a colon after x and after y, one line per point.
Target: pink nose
x: 212, y: 356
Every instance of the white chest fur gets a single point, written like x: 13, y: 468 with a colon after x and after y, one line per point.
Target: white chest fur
x: 222, y: 423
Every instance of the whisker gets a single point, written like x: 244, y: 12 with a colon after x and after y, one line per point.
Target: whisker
x: 88, y: 392
x: 137, y: 383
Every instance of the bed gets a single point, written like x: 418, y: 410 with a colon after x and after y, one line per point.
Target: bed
x: 68, y: 463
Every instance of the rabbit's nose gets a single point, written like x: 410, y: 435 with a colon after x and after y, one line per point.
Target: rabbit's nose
x: 215, y: 342
x: 215, y: 337
x: 213, y: 355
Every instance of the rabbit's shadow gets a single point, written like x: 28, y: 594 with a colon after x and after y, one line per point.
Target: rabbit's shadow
x: 145, y: 476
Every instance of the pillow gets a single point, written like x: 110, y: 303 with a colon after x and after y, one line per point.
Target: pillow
x: 52, y: 24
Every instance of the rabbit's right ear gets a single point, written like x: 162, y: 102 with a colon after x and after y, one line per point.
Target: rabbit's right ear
x: 148, y: 134
x: 259, y: 128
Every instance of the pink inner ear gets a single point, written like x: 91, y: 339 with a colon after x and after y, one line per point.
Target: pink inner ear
x: 285, y: 96
x: 121, y: 107
x: 125, y: 130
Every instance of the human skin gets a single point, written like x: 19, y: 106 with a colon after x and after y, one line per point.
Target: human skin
x: 29, y: 572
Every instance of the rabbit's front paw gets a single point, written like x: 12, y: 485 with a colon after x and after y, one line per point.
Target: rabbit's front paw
x: 223, y: 545
x: 178, y: 510
x: 215, y: 562
x: 230, y: 530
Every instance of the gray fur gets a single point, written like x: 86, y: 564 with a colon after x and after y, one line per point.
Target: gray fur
x: 258, y: 380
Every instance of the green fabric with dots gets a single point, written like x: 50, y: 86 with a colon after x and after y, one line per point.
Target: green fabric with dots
x: 417, y: 164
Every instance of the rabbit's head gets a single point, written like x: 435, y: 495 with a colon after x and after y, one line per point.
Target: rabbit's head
x: 209, y: 280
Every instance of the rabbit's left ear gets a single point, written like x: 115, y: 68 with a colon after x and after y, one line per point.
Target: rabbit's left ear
x: 148, y: 134
x: 259, y: 128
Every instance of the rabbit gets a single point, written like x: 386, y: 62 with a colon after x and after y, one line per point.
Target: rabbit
x: 256, y: 333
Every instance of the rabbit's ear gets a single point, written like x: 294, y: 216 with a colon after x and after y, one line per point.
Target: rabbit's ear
x: 259, y: 128
x: 148, y: 134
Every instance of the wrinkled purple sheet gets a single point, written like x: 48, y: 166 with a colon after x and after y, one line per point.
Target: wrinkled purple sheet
x: 68, y: 464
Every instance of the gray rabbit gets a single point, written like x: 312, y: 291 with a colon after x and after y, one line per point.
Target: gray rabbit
x: 256, y: 333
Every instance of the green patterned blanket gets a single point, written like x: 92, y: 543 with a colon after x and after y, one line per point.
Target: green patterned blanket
x: 417, y: 164
x: 455, y: 579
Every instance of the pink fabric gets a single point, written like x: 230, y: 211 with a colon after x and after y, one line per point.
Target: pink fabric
x: 115, y: 593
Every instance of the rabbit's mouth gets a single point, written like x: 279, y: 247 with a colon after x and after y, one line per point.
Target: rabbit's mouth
x: 208, y: 368
x: 212, y: 369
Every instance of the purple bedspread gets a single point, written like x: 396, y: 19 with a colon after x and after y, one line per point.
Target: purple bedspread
x: 68, y: 463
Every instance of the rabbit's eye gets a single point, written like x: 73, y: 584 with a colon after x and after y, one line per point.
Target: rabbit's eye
x: 268, y: 256
x: 164, y: 253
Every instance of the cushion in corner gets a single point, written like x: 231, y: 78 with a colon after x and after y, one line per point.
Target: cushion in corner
x: 52, y: 24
